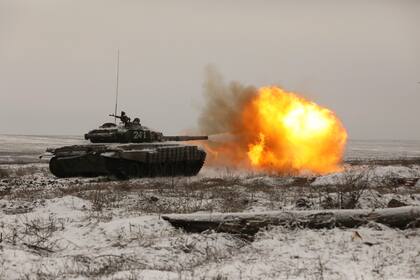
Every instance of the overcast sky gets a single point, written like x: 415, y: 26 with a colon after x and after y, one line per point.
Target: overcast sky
x: 57, y: 60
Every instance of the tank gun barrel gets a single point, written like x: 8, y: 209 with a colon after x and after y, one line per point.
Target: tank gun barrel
x: 185, y: 138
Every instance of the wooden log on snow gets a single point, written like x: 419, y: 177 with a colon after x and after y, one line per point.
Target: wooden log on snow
x: 250, y: 223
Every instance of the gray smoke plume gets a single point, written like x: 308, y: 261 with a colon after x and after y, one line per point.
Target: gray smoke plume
x: 223, y: 104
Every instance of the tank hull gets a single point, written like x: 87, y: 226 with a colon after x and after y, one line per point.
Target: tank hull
x: 127, y: 160
x: 78, y: 166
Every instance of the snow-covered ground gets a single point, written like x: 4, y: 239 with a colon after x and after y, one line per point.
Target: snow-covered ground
x: 385, y: 149
x: 100, y: 228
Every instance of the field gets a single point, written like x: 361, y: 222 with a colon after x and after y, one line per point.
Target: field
x: 102, y: 228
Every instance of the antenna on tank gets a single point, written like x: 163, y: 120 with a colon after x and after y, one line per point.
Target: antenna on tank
x: 116, y: 88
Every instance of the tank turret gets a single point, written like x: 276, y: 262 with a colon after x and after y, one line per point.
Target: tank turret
x: 132, y: 132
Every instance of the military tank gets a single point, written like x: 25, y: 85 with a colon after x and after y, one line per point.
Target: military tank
x: 128, y: 150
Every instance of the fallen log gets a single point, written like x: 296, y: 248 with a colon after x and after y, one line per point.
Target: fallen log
x: 251, y: 223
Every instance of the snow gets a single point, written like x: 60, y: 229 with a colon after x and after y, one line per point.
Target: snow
x: 375, y: 176
x: 378, y: 149
x: 116, y: 244
x: 395, y: 171
x: 161, y: 252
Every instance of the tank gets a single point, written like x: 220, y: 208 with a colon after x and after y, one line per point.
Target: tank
x: 128, y: 150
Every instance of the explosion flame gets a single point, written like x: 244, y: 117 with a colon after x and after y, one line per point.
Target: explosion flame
x: 294, y: 134
x: 270, y: 130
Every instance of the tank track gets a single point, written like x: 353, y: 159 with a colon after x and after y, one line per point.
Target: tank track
x: 124, y: 169
x: 86, y: 166
x: 92, y: 166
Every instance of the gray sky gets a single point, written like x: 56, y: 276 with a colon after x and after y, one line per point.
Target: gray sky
x: 57, y: 60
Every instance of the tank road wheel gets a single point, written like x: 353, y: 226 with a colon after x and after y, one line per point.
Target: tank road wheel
x: 198, y: 164
x: 134, y: 170
x: 56, y: 168
x: 145, y: 170
x: 188, y: 168
x: 171, y: 169
x: 159, y: 169
x: 193, y: 167
x: 116, y: 168
x: 197, y: 167
x: 155, y: 170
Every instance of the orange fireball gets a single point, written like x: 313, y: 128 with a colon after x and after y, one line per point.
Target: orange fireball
x: 293, y: 134
x: 281, y: 132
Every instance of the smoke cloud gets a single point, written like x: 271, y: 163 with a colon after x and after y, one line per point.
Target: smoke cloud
x: 224, y: 104
x: 221, y: 119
